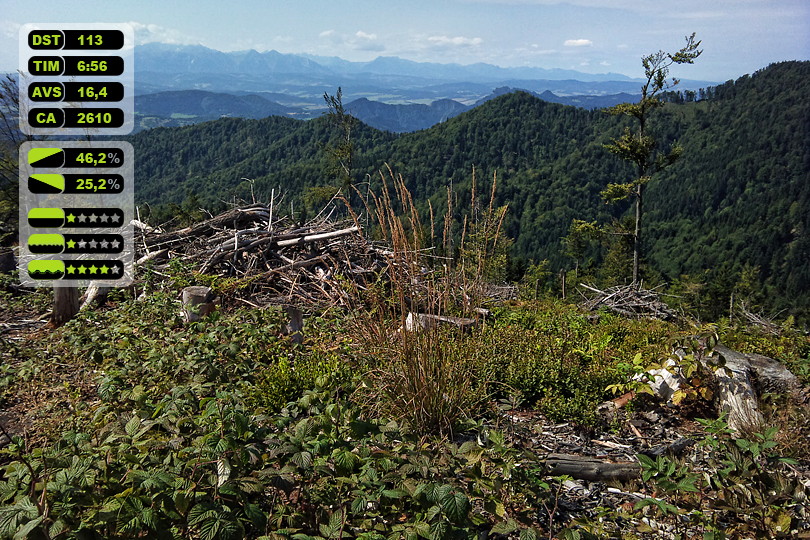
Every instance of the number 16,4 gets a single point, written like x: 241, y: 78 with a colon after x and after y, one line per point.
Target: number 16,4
x: 76, y: 91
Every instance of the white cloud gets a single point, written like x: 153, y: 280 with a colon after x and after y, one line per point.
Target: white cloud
x: 10, y: 29
x: 363, y: 41
x: 456, y: 41
x: 359, y: 41
x: 578, y: 43
x: 148, y: 33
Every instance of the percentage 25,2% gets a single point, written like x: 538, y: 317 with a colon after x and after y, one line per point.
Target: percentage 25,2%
x: 96, y: 184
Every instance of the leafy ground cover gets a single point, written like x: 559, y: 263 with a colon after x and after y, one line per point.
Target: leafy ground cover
x: 131, y: 423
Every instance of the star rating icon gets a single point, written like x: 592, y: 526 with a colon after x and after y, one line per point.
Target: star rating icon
x: 71, y: 218
x: 93, y: 269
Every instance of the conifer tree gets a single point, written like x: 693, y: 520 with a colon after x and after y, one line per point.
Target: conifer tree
x: 637, y: 145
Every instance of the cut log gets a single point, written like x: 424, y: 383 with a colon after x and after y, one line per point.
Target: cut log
x: 198, y: 302
x: 590, y: 468
x: 316, y: 237
x: 95, y: 294
x: 158, y: 254
x: 416, y: 322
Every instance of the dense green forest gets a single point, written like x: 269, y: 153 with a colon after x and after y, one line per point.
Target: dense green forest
x: 736, y: 205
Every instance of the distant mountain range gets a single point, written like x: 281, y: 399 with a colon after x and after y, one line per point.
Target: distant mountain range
x: 184, y: 107
x: 183, y: 84
x: 167, y: 58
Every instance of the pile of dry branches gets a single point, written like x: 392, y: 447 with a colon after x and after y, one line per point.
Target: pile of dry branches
x: 271, y: 261
x: 628, y: 300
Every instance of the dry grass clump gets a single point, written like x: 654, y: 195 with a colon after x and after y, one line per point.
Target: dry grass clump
x: 427, y: 379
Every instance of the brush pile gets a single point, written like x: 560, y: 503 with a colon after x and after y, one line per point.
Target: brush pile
x: 269, y: 261
x: 631, y: 301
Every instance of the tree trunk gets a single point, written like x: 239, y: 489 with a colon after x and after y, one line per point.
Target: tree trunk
x: 637, y: 233
x: 65, y: 305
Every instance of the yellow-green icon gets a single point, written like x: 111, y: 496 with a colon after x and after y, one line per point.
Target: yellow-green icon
x: 46, y: 269
x: 46, y: 217
x: 46, y: 183
x: 46, y: 243
x: 46, y: 157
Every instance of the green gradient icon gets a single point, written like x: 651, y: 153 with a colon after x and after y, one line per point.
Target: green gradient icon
x: 46, y: 217
x: 46, y: 157
x: 46, y: 269
x: 46, y: 183
x: 46, y: 243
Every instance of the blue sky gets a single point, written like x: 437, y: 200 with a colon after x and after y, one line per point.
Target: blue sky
x: 594, y: 36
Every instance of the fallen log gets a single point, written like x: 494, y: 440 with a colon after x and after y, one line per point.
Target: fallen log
x: 590, y: 468
x: 416, y: 322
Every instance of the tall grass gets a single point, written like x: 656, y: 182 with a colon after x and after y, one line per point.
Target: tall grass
x: 426, y: 379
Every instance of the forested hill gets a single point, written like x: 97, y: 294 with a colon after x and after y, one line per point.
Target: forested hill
x: 739, y: 196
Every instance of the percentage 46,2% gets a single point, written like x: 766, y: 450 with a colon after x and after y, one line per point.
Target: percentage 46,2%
x: 100, y: 158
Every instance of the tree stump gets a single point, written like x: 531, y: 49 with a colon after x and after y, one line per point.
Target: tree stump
x: 295, y: 326
x: 198, y: 301
x: 8, y: 262
x: 739, y: 384
x: 65, y: 305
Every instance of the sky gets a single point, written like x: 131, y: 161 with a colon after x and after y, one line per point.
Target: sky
x: 594, y: 36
